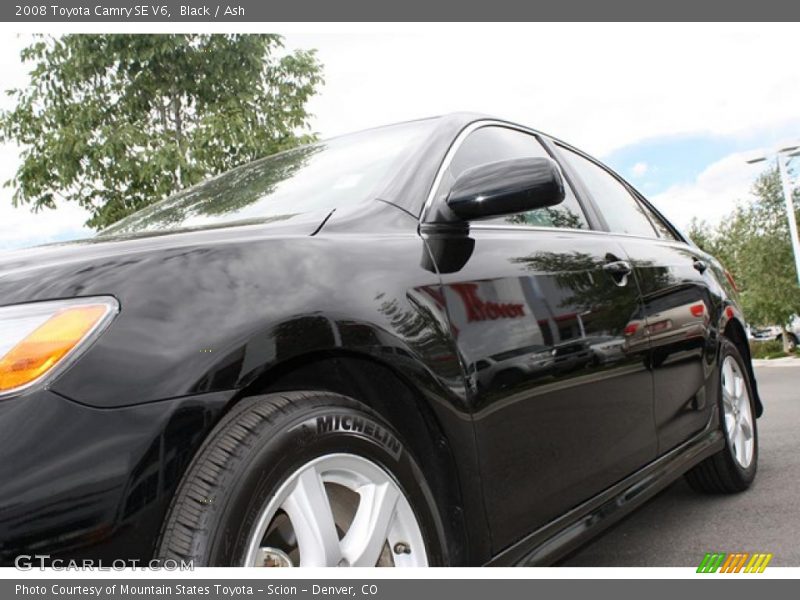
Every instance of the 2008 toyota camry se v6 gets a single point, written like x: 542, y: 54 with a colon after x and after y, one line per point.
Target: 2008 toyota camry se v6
x: 454, y: 341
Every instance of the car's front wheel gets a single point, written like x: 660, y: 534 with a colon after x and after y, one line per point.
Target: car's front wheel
x: 303, y: 479
x: 733, y: 468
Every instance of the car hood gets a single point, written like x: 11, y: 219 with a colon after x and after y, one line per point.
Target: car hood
x: 24, y: 266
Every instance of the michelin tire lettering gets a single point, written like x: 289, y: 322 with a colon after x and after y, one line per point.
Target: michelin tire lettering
x: 355, y: 424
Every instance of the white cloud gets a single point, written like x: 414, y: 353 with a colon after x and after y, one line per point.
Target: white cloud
x: 713, y: 194
x: 20, y: 227
x: 639, y: 169
x: 599, y: 86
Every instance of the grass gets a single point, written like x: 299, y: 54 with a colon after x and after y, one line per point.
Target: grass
x: 770, y: 349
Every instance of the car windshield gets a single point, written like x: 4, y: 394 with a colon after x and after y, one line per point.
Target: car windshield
x: 321, y: 176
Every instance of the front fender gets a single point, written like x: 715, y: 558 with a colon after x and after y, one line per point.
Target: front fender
x: 208, y: 318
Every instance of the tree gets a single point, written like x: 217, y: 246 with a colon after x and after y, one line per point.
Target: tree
x: 699, y: 231
x: 754, y: 244
x: 116, y: 122
x: 766, y: 260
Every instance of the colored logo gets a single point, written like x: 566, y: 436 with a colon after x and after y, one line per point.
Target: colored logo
x: 737, y: 562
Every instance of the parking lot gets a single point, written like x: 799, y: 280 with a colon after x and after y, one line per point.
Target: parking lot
x: 679, y: 526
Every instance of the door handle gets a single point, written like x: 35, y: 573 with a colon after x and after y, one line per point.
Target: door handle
x: 618, y: 267
x: 619, y: 270
x: 700, y: 265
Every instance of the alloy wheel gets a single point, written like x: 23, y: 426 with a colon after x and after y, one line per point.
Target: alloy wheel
x: 338, y: 510
x: 737, y: 412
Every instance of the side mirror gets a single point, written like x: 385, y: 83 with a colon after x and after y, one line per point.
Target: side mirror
x: 506, y: 187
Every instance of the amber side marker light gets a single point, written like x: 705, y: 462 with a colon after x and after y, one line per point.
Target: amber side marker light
x: 47, y: 334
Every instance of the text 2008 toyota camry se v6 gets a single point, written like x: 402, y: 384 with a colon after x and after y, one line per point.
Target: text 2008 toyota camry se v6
x: 445, y: 342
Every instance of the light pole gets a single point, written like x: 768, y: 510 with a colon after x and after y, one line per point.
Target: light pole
x: 787, y: 197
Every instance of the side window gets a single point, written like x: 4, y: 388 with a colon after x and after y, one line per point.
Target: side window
x: 491, y: 144
x: 622, y: 212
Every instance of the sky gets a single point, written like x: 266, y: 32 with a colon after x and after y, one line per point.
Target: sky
x: 677, y: 109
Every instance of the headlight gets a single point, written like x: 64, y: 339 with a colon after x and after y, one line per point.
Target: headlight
x: 40, y: 338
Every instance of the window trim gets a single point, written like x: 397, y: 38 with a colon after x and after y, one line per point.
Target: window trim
x: 589, y: 212
x: 554, y: 147
x: 678, y: 236
x: 635, y: 194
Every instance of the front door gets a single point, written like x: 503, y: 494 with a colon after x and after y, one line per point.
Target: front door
x: 677, y: 319
x: 541, y: 309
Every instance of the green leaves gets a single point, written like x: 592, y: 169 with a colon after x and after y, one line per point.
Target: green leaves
x: 754, y: 244
x: 116, y: 122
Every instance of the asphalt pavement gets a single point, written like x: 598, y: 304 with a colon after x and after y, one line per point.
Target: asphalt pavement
x: 677, y: 527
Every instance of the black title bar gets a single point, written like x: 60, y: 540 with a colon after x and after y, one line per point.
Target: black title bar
x: 391, y: 10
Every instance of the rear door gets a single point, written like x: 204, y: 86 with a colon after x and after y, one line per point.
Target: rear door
x: 681, y: 308
x: 679, y: 302
x: 540, y: 307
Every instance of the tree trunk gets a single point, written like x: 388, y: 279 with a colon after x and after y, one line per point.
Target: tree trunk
x: 788, y: 340
x: 178, y: 137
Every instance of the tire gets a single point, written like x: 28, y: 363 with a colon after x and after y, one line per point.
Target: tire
x: 733, y: 468
x: 274, y: 463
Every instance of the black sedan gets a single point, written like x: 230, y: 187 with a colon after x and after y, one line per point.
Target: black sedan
x: 454, y: 341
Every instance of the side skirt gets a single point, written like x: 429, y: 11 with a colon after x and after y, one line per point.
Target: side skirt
x: 558, y: 538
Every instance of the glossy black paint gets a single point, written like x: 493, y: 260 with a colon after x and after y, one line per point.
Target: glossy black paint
x: 562, y: 407
x: 84, y: 482
x: 236, y: 310
x: 567, y: 533
x: 505, y: 187
x: 682, y: 315
x: 524, y: 366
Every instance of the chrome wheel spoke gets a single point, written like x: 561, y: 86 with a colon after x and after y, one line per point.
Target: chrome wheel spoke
x: 309, y: 510
x: 727, y: 402
x: 738, y: 387
x: 741, y: 447
x: 727, y: 379
x: 367, y: 535
x: 746, y: 427
x: 737, y: 413
x: 743, y: 403
x: 730, y: 422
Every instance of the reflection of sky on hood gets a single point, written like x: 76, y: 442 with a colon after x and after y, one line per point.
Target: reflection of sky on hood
x: 323, y: 176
